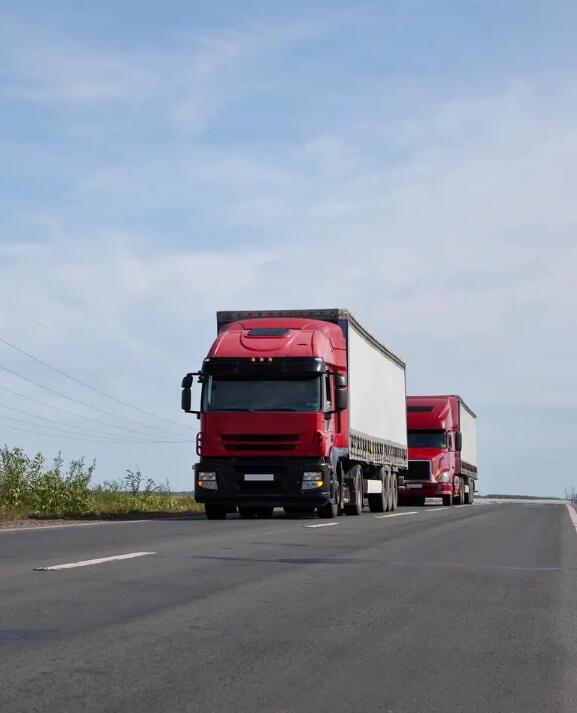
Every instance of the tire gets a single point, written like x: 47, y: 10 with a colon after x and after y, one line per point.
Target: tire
x: 379, y: 502
x: 448, y: 500
x: 394, y: 491
x: 356, y: 508
x: 461, y: 497
x: 264, y: 512
x: 328, y: 511
x: 215, y: 512
x: 390, y: 496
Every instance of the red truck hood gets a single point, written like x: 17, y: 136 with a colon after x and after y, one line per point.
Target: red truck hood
x: 439, y: 458
x: 260, y: 434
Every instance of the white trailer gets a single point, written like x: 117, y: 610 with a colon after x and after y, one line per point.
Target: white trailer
x: 468, y: 430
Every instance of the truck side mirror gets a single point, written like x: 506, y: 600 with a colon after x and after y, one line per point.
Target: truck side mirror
x: 186, y: 396
x: 341, y: 400
x: 458, y: 441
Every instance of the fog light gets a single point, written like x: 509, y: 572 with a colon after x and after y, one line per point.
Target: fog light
x: 206, y: 481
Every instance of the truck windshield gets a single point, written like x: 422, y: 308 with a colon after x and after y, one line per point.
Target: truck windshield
x: 427, y: 439
x: 273, y: 394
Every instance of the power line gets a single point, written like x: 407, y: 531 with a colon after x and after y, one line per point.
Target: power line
x: 88, y: 386
x: 52, y: 433
x: 111, y: 436
x: 85, y: 404
x: 75, y: 414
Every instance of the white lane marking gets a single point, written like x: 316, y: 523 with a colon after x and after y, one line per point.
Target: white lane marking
x: 87, y: 563
x: 33, y: 528
x: 437, y: 509
x: 396, y: 514
x: 572, y: 515
x: 323, y: 524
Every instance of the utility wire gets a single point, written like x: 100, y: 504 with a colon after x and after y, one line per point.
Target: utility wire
x: 111, y: 436
x: 61, y: 433
x: 85, y: 404
x: 88, y: 386
x: 129, y: 430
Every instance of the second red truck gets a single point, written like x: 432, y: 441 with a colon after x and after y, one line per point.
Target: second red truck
x: 442, y: 438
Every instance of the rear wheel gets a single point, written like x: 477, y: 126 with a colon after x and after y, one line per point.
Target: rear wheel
x: 356, y: 507
x: 215, y: 512
x: 391, y: 495
x: 461, y: 496
x: 395, y: 492
x: 379, y: 502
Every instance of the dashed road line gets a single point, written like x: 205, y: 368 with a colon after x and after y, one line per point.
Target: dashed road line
x: 322, y: 524
x: 88, y: 563
x: 396, y: 514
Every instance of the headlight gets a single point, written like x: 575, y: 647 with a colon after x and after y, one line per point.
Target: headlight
x: 312, y: 475
x: 206, y: 480
x: 312, y: 480
x: 444, y: 477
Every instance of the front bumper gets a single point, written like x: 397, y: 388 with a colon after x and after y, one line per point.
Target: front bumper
x: 283, y: 490
x: 424, y: 489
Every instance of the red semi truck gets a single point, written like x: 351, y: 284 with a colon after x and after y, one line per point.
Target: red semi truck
x: 303, y: 410
x: 442, y: 438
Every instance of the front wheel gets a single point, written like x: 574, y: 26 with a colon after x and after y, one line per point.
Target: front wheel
x: 356, y: 507
x: 448, y: 500
x: 328, y: 511
x: 215, y: 512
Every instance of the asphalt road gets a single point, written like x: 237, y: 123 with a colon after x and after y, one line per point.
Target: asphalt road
x: 438, y: 609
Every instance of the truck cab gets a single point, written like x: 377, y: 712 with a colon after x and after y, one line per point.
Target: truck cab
x: 435, y: 441
x: 276, y: 425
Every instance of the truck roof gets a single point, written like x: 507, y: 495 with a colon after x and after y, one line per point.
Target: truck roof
x: 439, y: 397
x: 335, y: 315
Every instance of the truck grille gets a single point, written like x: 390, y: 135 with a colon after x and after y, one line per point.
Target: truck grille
x: 260, y: 437
x: 260, y: 441
x: 419, y: 470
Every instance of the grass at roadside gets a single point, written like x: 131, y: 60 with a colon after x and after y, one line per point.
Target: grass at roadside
x: 30, y: 488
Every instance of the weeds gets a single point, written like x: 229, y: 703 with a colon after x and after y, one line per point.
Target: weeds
x: 30, y: 487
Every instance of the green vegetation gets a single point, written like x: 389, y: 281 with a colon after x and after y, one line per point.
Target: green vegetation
x: 30, y: 487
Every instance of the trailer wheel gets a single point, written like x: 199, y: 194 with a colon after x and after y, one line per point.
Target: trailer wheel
x: 356, y: 475
x: 215, y: 512
x: 379, y: 502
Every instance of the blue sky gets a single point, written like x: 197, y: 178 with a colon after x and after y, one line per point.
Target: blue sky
x: 412, y: 161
